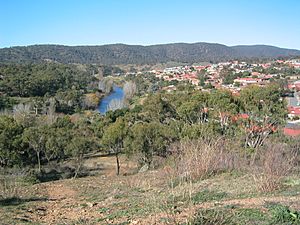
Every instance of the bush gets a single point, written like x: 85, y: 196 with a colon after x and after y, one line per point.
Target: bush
x: 275, y: 162
x: 10, y: 183
x: 199, y: 159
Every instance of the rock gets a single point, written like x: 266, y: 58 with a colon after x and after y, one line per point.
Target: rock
x: 144, y: 168
x: 91, y: 204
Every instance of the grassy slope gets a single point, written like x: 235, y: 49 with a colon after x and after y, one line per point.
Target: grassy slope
x: 147, y: 198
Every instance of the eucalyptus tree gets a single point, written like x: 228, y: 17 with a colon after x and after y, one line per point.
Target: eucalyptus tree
x: 36, y: 137
x: 267, y: 111
x: 10, y: 141
x: 113, y: 139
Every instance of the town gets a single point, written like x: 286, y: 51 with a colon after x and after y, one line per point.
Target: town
x: 236, y: 75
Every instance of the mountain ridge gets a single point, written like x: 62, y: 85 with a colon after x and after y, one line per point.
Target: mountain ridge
x: 113, y: 54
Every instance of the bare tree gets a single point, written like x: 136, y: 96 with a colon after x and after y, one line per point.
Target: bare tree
x: 51, y: 115
x: 129, y: 89
x: 101, y: 85
x: 116, y: 104
x: 105, y: 85
x: 21, y: 112
x: 108, y: 86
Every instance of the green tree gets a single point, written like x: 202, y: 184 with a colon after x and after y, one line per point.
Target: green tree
x: 113, y: 139
x: 149, y: 139
x: 56, y: 142
x: 266, y: 110
x: 36, y: 137
x: 192, y: 109
x: 223, y: 106
x: 77, y: 148
x: 10, y: 141
x: 155, y: 108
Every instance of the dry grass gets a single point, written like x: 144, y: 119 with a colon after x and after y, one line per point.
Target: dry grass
x: 199, y: 159
x: 275, y: 162
x: 10, y: 183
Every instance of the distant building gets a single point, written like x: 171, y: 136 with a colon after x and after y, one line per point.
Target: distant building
x: 248, y: 80
x: 293, y: 111
x: 292, y: 129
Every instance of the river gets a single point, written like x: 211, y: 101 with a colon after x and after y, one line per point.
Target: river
x: 117, y: 93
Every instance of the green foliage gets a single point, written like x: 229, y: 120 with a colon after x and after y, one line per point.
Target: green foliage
x: 10, y: 141
x: 283, y: 215
x: 155, y: 108
x: 117, y: 54
x: 56, y: 143
x: 206, y: 195
x: 223, y: 101
x: 150, y: 139
x: 38, y: 79
x: 208, y: 130
x: 114, y: 135
x: 36, y: 138
x: 78, y: 146
x: 229, y: 78
x: 191, y: 108
x: 264, y: 101
x: 6, y: 102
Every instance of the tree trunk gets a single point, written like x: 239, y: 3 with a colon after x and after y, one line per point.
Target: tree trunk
x: 79, y: 160
x: 39, y: 160
x: 118, y: 164
x: 77, y: 170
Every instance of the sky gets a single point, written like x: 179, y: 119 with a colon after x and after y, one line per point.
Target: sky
x: 146, y: 22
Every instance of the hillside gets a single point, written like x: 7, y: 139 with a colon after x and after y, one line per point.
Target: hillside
x: 148, y: 198
x: 137, y: 54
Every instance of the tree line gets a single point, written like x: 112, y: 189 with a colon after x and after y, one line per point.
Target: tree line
x: 145, y: 129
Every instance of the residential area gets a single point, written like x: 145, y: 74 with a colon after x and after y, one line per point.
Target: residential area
x: 236, y: 75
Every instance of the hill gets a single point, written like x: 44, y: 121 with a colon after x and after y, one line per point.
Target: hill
x: 138, y: 54
x: 148, y: 198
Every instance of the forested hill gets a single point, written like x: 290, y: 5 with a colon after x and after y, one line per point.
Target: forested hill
x: 137, y: 54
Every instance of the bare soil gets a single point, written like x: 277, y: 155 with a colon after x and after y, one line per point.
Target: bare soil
x: 140, y: 198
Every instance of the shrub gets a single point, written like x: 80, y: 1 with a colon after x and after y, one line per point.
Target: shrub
x: 10, y: 183
x: 275, y: 162
x: 199, y: 159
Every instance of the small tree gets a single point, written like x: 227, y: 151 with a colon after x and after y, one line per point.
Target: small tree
x: 156, y: 108
x: 77, y: 148
x: 57, y: 140
x: 113, y: 139
x: 224, y: 106
x: 149, y: 139
x: 36, y: 138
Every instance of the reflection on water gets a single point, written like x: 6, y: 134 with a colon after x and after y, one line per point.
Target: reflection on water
x: 117, y: 93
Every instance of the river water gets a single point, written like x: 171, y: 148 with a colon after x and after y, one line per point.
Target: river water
x: 117, y: 93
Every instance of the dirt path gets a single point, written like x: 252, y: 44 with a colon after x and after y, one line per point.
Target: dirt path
x: 89, y: 200
x: 63, y: 202
x: 60, y: 200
